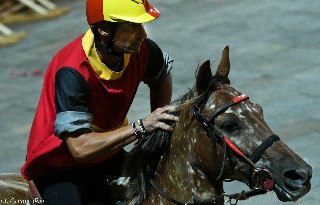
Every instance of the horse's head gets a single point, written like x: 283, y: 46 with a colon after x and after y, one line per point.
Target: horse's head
x: 220, y: 135
x: 253, y: 154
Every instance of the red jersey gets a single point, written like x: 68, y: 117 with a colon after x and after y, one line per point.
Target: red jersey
x: 111, y: 94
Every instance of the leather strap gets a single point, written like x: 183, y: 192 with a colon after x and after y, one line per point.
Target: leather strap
x: 255, y: 156
x: 34, y: 193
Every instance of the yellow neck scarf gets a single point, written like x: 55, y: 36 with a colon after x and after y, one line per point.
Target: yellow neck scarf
x: 100, y: 68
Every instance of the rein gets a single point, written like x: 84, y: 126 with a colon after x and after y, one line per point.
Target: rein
x: 262, y: 180
x: 216, y: 200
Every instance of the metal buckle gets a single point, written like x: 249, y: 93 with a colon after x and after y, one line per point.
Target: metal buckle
x: 262, y: 178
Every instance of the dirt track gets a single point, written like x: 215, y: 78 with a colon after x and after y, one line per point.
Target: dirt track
x: 274, y: 49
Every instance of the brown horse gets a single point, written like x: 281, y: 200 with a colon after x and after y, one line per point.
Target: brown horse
x: 221, y: 135
x: 13, y: 189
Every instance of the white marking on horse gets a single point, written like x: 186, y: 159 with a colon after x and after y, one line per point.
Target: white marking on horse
x: 190, y: 169
x: 123, y: 180
x: 212, y: 107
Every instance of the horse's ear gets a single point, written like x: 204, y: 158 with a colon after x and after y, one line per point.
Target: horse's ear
x: 204, y: 76
x: 224, y: 66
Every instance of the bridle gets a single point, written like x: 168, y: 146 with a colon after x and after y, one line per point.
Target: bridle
x: 261, y: 179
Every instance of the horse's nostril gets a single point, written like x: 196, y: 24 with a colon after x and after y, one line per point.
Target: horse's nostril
x: 296, y: 178
x: 295, y: 174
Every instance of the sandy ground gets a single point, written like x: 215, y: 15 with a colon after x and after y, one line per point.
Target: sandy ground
x: 274, y: 49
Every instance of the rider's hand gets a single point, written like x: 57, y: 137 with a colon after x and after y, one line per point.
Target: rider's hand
x: 156, y: 120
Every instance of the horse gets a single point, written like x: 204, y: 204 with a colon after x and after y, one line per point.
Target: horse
x: 221, y: 136
x: 13, y: 189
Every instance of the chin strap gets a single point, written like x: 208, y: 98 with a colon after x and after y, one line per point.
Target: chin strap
x: 105, y: 50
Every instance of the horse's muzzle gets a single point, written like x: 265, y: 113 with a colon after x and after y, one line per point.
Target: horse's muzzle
x: 295, y: 184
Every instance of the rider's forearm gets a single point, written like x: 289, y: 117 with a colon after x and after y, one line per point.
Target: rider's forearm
x: 94, y: 145
x: 161, y: 95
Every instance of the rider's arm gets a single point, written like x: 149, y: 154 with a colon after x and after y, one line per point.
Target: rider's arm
x: 158, y: 76
x: 91, y: 145
x: 73, y: 123
x: 161, y: 95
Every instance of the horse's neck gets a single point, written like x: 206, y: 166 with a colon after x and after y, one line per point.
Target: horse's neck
x: 179, y: 174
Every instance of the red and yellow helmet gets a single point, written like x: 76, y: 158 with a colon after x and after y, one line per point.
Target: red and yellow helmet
x: 136, y: 11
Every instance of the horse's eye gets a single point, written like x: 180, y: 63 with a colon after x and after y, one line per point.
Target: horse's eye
x: 229, y: 127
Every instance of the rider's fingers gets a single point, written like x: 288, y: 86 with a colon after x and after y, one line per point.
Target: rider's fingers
x: 170, y: 108
x: 151, y: 125
x: 167, y: 108
x: 165, y: 126
x: 166, y: 116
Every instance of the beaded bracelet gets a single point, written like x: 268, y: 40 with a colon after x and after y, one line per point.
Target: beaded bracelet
x: 141, y: 126
x: 135, y: 131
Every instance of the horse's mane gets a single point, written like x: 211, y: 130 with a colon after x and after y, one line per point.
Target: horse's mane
x: 144, y: 157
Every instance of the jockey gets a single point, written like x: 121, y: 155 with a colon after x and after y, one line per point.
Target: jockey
x: 81, y: 127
